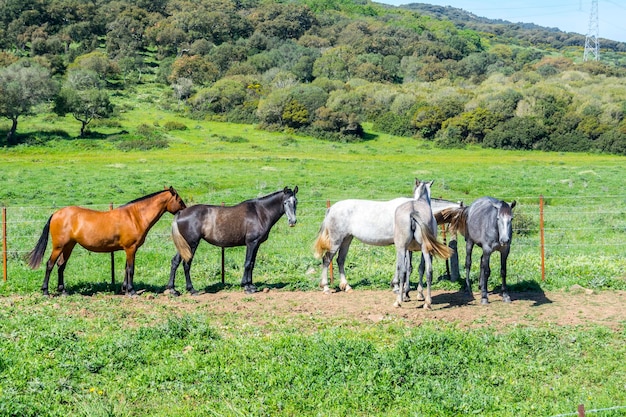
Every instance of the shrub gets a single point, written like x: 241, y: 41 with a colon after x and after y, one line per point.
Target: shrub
x: 174, y: 125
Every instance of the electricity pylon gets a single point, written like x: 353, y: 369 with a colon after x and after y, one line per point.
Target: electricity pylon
x: 592, y: 43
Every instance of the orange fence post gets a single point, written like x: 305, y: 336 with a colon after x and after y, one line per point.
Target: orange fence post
x: 4, y: 243
x: 543, y: 249
x: 223, y: 261
x: 330, y: 266
x: 112, y: 258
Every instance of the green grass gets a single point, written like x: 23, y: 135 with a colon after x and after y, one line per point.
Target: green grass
x: 102, y: 355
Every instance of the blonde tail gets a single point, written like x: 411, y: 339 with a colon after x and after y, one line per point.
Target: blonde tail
x: 433, y: 246
x: 322, y: 243
x: 181, y: 244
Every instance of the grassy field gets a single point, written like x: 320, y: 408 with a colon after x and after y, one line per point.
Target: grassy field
x: 93, y: 354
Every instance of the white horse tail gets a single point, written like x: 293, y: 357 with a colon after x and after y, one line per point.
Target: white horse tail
x: 181, y: 244
x: 322, y: 243
x: 432, y: 245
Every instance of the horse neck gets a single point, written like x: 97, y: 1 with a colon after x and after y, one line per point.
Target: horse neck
x: 421, y: 193
x: 273, y: 206
x: 148, y: 211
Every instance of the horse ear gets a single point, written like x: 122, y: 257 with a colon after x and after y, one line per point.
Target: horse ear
x: 430, y: 183
x: 295, y: 190
x: 513, y: 204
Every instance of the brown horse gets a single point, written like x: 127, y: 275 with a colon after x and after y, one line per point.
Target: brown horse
x: 124, y: 228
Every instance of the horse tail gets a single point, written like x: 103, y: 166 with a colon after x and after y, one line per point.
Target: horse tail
x: 179, y: 241
x: 322, y: 243
x: 430, y: 242
x: 36, y: 255
x: 457, y: 217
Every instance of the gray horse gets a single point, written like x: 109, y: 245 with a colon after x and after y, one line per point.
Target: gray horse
x: 487, y: 223
x: 415, y: 228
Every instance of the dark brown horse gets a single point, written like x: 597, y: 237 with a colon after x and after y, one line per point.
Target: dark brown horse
x: 124, y: 228
x: 247, y: 223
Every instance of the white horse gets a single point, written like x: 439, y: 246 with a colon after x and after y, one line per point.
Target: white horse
x: 369, y: 221
x: 415, y: 228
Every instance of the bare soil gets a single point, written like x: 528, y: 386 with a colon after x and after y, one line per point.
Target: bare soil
x: 576, y: 307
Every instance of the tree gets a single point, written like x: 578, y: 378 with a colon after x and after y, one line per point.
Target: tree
x: 82, y: 96
x: 23, y: 85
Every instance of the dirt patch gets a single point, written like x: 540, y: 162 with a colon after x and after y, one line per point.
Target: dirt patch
x: 311, y: 309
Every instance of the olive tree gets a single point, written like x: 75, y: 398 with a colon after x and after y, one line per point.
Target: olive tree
x: 23, y: 85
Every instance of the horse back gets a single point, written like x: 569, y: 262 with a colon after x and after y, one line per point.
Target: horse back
x: 224, y: 226
x: 369, y: 221
x: 97, y: 231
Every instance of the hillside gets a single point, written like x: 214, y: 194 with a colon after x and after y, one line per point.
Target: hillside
x: 527, y: 34
x: 318, y: 68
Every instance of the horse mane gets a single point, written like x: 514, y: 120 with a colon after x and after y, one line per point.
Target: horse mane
x: 271, y: 195
x: 145, y: 197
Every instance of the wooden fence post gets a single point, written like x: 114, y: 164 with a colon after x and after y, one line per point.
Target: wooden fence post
x: 112, y: 259
x: 542, y: 244
x: 330, y: 266
x: 4, y: 243
x: 581, y: 410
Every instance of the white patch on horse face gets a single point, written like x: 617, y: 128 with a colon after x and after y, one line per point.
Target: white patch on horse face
x: 504, y: 228
x: 290, y: 210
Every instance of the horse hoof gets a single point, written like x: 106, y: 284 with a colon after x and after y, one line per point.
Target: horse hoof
x: 348, y: 288
x: 420, y: 297
x: 326, y: 290
x: 251, y: 289
x: 484, y: 301
x: 427, y: 307
x: 506, y: 298
x: 193, y: 293
x: 173, y: 292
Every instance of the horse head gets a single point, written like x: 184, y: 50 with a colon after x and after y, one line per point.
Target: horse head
x: 175, y: 203
x: 504, y: 219
x: 290, y: 203
x: 422, y: 189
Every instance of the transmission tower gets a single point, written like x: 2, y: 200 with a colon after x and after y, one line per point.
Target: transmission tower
x: 592, y: 43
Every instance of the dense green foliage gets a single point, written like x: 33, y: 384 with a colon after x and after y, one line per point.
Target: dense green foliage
x: 325, y: 68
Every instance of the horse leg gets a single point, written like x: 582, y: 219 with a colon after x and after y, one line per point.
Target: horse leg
x: 176, y: 260
x: 409, y: 270
x: 429, y: 277
x: 420, y: 286
x: 49, y: 265
x: 130, y: 272
x: 400, y: 275
x: 326, y: 261
x: 469, y: 246
x: 485, y: 271
x: 61, y: 264
x: 503, y: 257
x: 251, y: 251
x: 341, y: 263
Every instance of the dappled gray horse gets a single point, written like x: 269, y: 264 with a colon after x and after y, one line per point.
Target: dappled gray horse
x: 487, y: 223
x: 415, y: 229
x: 369, y: 221
x: 247, y: 223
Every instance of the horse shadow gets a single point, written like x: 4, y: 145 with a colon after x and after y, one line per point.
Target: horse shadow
x: 89, y: 289
x: 523, y: 290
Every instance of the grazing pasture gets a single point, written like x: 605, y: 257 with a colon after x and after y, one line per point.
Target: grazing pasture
x: 291, y: 350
